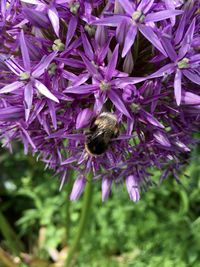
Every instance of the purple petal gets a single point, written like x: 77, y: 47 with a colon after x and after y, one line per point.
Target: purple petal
x: 112, y: 64
x: 127, y: 6
x: 28, y: 138
x: 84, y: 118
x: 145, y: 5
x: 54, y: 18
x: 192, y: 76
x: 11, y: 113
x: 189, y: 98
x: 187, y: 40
x: 151, y: 119
x: 11, y: 87
x: 78, y: 188
x: 43, y: 65
x: 177, y: 86
x: 132, y: 188
x: 129, y: 39
x: 82, y: 89
x: 106, y: 187
x: 69, y: 161
x: 52, y: 111
x: 36, y: 18
x: 181, y: 28
x: 167, y: 69
x: 161, y: 15
x: 112, y: 21
x: 114, y: 97
x: 169, y: 48
x: 87, y: 46
x: 45, y: 91
x: 71, y: 29
x: 24, y: 51
x: 28, y: 98
x: 90, y: 67
x: 152, y: 37
x: 162, y: 139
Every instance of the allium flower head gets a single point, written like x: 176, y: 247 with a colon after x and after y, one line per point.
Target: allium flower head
x: 63, y: 62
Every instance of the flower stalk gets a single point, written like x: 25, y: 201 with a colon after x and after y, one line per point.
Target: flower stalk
x: 82, y: 222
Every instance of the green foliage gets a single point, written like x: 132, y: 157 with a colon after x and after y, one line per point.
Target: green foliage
x: 162, y: 229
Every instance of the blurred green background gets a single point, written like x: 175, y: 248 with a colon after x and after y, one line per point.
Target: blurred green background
x: 162, y: 229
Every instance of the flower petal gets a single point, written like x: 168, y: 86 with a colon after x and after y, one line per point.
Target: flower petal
x: 112, y: 64
x: 78, y: 188
x: 161, y: 15
x: 152, y: 37
x: 177, y: 86
x: 24, y: 51
x: 127, y: 6
x: 54, y: 18
x: 129, y: 39
x: 11, y: 87
x: 114, y: 97
x: 106, y: 187
x: 45, y: 91
x: 132, y: 188
x: 84, y: 118
x: 43, y: 65
x: 71, y: 29
x: 112, y: 21
x: 28, y: 98
x: 192, y: 76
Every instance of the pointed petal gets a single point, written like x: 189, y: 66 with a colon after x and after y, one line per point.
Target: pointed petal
x: 78, y: 188
x: 162, y: 139
x: 151, y: 119
x: 28, y: 138
x: 28, y: 98
x: 82, y: 89
x: 112, y: 64
x: 132, y: 188
x: 106, y: 187
x: 24, y: 51
x: 87, y: 46
x: 145, y: 5
x: 114, y: 97
x: 52, y: 112
x: 169, y: 48
x: 43, y: 64
x: 11, y: 87
x: 192, y: 76
x: 54, y: 18
x: 129, y: 39
x: 161, y: 15
x: 112, y: 21
x: 187, y: 40
x: 189, y: 98
x: 90, y: 67
x: 33, y: 2
x: 152, y: 37
x: 127, y: 6
x: 84, y: 118
x: 167, y: 69
x: 71, y: 29
x: 177, y: 86
x: 45, y: 91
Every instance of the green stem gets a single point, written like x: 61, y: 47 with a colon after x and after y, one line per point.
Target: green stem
x: 68, y: 208
x: 13, y: 241
x: 82, y: 222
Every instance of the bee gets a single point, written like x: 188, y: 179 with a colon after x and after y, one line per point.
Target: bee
x: 102, y: 130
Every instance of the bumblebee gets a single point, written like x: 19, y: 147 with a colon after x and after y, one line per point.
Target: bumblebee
x: 102, y: 130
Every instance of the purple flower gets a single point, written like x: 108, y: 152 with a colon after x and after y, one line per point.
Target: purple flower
x: 64, y: 62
